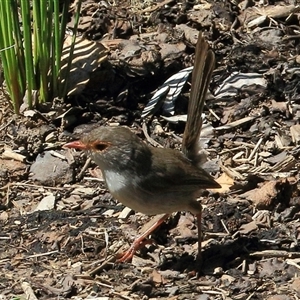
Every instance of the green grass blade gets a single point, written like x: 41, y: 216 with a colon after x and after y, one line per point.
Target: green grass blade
x: 77, y: 15
x: 8, y: 55
x: 28, y: 55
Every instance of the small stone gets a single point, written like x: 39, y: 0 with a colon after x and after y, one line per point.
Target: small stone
x: 50, y: 170
x: 47, y: 203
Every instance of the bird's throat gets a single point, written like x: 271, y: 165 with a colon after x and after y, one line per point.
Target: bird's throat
x: 115, y: 181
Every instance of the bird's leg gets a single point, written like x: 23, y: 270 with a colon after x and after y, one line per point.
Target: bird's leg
x: 199, y: 223
x: 139, y: 242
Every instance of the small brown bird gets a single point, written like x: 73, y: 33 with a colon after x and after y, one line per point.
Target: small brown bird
x: 156, y: 180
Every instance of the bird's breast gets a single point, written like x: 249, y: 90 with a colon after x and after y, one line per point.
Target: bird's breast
x: 130, y: 191
x: 122, y: 188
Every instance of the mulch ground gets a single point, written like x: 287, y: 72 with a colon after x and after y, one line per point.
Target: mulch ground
x: 60, y: 229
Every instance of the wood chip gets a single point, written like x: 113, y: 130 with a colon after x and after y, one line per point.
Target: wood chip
x: 125, y: 213
x: 8, y: 153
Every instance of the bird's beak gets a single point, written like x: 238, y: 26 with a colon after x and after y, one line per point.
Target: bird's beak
x: 76, y: 145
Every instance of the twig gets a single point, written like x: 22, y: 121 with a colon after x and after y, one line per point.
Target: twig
x: 292, y: 263
x: 156, y: 6
x: 104, y: 284
x: 5, y: 125
x: 122, y: 296
x: 231, y: 173
x: 28, y: 291
x: 215, y: 234
x: 35, y: 185
x: 93, y: 179
x: 234, y: 124
x: 248, y: 298
x: 225, y: 227
x: 149, y: 139
x: 42, y: 254
x: 276, y: 253
x: 214, y: 114
x: 255, y: 149
x: 84, y: 168
x: 109, y: 260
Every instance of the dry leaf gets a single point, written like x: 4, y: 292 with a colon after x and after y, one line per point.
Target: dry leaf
x: 226, y: 182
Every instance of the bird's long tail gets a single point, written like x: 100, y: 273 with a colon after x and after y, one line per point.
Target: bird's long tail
x: 201, y: 76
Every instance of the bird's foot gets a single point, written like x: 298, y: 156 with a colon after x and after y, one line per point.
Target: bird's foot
x: 141, y: 241
x: 136, y: 245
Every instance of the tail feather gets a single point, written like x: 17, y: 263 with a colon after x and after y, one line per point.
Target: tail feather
x: 201, y: 76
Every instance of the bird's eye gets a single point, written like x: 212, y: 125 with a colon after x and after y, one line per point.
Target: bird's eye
x: 100, y: 146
